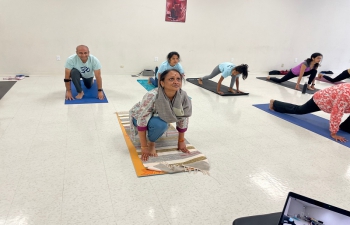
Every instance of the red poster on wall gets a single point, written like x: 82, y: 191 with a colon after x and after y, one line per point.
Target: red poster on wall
x: 176, y: 10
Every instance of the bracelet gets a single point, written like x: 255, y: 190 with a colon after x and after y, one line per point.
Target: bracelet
x: 181, y: 140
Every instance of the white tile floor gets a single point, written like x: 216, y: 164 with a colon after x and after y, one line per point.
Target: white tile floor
x: 69, y: 164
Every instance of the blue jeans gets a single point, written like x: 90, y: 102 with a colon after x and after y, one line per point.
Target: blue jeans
x: 154, y: 81
x: 155, y: 127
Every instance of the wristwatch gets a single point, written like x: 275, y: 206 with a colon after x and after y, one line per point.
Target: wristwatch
x: 99, y: 89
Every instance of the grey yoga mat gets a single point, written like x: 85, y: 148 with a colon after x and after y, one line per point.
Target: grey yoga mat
x: 289, y: 84
x: 5, y: 86
x: 211, y: 86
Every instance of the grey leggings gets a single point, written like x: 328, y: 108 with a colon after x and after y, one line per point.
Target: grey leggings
x: 216, y: 71
x: 76, y: 75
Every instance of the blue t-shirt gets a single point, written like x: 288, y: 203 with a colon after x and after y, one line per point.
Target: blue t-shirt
x: 226, y: 69
x: 166, y: 66
x: 86, y: 69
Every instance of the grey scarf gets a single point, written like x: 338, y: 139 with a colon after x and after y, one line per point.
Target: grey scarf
x: 172, y: 111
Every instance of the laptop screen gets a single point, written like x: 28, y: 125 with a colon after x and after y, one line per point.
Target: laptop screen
x: 301, y: 210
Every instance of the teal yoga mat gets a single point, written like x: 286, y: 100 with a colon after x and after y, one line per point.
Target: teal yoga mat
x: 147, y: 86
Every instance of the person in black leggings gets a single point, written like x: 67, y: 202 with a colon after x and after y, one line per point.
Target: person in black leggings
x: 308, y: 67
x: 345, y: 74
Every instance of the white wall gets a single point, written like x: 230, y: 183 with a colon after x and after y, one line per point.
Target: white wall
x: 130, y: 33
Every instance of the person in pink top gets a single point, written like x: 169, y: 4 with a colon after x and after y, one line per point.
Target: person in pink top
x: 334, y: 100
x: 308, y: 67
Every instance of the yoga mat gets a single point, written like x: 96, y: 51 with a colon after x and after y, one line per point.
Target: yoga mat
x: 324, y: 80
x: 90, y: 95
x: 5, y: 86
x: 270, y: 219
x: 211, y: 86
x: 310, y: 122
x: 169, y: 159
x: 290, y: 85
x: 146, y: 85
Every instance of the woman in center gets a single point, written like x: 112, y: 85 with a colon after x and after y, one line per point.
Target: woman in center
x: 227, y: 69
x: 163, y: 105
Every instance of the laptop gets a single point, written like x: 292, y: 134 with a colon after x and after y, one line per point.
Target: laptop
x: 301, y: 210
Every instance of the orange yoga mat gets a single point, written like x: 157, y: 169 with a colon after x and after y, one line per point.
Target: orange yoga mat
x: 140, y: 170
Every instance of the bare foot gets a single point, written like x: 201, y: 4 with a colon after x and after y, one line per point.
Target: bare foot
x: 310, y: 88
x: 149, y: 80
x: 320, y: 75
x: 80, y: 95
x: 152, y: 149
x: 231, y: 90
x: 268, y: 78
x: 271, y: 104
x: 200, y: 81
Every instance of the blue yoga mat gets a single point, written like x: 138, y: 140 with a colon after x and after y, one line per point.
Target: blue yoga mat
x: 146, y: 85
x: 310, y: 122
x: 90, y: 95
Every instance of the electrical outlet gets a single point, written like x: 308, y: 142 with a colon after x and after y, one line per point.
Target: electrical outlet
x: 58, y: 58
x: 232, y: 59
x: 282, y: 65
x: 296, y: 60
x: 156, y: 59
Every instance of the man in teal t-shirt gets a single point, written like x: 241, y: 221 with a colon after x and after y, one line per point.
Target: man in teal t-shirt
x: 85, y: 66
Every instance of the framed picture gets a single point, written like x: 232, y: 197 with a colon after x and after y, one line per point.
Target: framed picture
x: 176, y: 10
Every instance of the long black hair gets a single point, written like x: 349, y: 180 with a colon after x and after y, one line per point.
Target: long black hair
x: 243, y: 69
x: 309, y: 60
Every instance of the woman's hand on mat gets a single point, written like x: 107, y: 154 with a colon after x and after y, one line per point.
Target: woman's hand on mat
x: 182, y: 147
x: 220, y: 92
x: 69, y: 95
x: 338, y: 138
x: 297, y: 87
x: 100, y: 95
